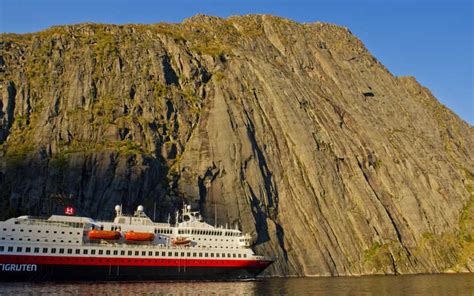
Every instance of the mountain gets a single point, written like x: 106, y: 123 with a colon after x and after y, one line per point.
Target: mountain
x: 293, y: 132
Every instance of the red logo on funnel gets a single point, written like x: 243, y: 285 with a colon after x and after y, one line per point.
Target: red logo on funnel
x: 69, y: 211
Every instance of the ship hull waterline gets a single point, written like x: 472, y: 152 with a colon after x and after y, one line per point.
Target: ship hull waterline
x: 23, y: 270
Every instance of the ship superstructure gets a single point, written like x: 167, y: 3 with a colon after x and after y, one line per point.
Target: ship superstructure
x: 131, y: 247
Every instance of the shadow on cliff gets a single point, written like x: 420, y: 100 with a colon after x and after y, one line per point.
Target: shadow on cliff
x: 92, y: 183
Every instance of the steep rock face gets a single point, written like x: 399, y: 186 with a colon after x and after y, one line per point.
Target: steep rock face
x: 294, y: 132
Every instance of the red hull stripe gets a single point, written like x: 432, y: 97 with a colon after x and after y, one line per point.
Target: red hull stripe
x: 103, y: 261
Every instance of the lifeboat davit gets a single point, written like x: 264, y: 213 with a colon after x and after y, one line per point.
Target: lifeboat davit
x: 180, y: 241
x: 104, y: 234
x: 139, y: 236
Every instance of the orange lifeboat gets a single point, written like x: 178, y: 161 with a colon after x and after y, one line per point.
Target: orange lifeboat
x: 180, y: 241
x: 104, y: 234
x: 139, y: 236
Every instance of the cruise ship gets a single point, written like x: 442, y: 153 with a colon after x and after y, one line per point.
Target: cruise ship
x: 131, y: 247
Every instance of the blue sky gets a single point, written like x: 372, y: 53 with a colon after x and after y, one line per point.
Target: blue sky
x: 429, y: 39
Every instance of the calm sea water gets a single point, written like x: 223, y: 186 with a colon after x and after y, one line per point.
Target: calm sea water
x: 449, y: 284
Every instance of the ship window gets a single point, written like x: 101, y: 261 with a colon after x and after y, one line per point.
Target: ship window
x: 176, y: 254
x: 18, y: 249
x: 37, y: 250
x: 206, y: 255
x: 194, y: 254
x: 115, y: 252
x: 53, y: 251
x: 92, y: 252
x: 129, y: 253
x: 182, y: 254
x: 163, y: 254
x: 157, y: 253
x: 245, y: 255
x: 28, y: 249
x: 212, y: 254
x: 107, y: 252
x: 228, y: 255
x: 69, y: 251
x: 45, y: 250
x: 10, y: 249
x: 39, y: 231
x: 233, y: 255
x: 2, y: 248
x: 122, y: 253
x: 188, y: 254
x: 85, y: 251
x: 240, y: 255
x: 170, y: 253
x: 200, y: 254
x: 150, y: 253
x: 78, y: 251
x: 137, y: 253
x: 61, y: 251
x: 21, y: 230
x: 143, y: 253
x: 101, y: 252
x: 29, y: 230
x: 13, y: 229
x: 55, y: 231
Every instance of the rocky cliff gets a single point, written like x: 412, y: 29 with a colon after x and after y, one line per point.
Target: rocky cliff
x: 294, y: 132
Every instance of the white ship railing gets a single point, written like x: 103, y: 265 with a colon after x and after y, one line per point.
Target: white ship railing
x: 44, y: 221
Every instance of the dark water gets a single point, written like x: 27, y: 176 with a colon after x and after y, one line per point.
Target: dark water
x: 449, y: 284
